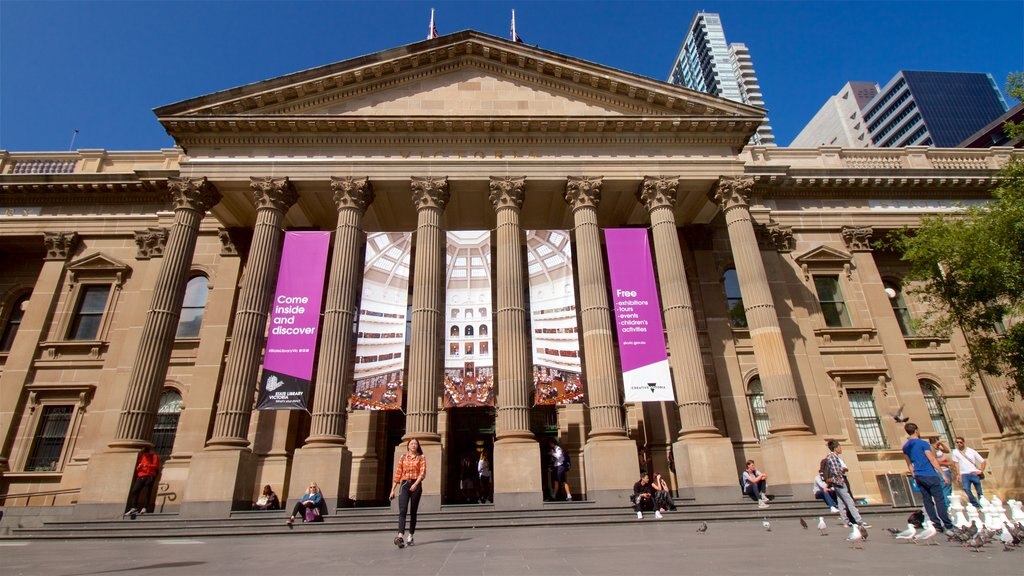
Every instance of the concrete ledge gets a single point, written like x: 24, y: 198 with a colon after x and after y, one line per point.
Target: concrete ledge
x: 31, y: 516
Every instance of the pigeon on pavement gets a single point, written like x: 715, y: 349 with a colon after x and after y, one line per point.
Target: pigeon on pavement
x: 703, y: 528
x: 803, y: 523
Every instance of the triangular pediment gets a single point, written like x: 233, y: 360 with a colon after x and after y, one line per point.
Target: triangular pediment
x: 462, y: 75
x: 824, y: 255
x: 98, y: 265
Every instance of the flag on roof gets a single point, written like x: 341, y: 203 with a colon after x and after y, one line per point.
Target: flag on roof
x: 433, y: 29
x: 515, y: 36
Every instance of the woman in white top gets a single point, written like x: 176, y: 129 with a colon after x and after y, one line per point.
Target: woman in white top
x: 483, y: 469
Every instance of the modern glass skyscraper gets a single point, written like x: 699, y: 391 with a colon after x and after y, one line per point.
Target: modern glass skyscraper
x: 932, y: 108
x: 708, y: 64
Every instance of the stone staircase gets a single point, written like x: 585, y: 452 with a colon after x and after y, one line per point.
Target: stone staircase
x: 450, y: 517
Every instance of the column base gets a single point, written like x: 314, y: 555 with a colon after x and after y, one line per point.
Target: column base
x: 219, y: 481
x: 106, y: 485
x: 329, y: 466
x: 790, y: 463
x: 436, y: 473
x: 612, y: 467
x: 517, y: 475
x: 1006, y: 477
x: 704, y: 469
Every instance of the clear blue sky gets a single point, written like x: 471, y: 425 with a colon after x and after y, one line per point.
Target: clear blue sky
x: 101, y: 67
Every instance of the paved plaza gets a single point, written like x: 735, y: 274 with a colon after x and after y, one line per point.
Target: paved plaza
x: 646, y: 547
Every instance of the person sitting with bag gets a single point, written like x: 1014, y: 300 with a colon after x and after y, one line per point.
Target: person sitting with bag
x: 267, y: 500
x: 311, y: 506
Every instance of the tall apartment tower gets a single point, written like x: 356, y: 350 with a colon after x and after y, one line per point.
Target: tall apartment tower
x: 708, y: 64
x: 932, y: 108
x: 839, y: 122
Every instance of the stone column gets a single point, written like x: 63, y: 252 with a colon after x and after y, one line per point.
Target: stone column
x: 700, y: 448
x: 34, y: 324
x: 426, y: 351
x: 790, y: 459
x: 612, y: 464
x: 325, y: 455
x: 222, y: 475
x: 517, y: 471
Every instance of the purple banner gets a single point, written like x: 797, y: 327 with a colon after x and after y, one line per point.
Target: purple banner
x: 294, y: 322
x: 645, y: 371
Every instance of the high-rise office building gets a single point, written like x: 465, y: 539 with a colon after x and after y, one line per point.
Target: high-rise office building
x: 839, y: 122
x: 932, y: 108
x: 708, y: 64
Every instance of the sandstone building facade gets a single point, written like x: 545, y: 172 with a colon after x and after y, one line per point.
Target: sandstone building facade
x: 137, y: 288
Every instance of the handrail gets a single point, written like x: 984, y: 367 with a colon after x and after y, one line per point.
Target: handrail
x: 4, y: 497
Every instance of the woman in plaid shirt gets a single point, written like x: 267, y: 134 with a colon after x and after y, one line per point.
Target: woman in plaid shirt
x: 409, y: 475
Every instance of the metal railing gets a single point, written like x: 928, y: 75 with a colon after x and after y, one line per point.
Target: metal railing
x: 5, y: 497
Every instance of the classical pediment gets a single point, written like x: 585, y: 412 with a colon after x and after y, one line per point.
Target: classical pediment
x: 823, y: 255
x: 466, y: 81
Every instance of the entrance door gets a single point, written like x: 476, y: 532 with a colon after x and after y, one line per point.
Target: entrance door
x: 470, y: 432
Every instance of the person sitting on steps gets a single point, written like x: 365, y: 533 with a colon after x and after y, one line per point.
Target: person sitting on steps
x: 643, y: 497
x: 755, y: 484
x: 311, y: 507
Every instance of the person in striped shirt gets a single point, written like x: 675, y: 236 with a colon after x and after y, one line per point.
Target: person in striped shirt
x: 408, y: 480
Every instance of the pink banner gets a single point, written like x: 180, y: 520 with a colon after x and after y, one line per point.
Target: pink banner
x: 294, y: 322
x: 645, y: 371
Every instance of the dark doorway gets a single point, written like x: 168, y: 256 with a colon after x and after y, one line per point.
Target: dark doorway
x: 470, y: 432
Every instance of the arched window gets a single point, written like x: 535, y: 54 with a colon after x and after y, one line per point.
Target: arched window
x: 166, y: 427
x: 17, y: 312
x: 193, y: 307
x: 758, y: 410
x: 483, y: 330
x: 469, y: 330
x: 737, y: 316
x: 936, y: 410
x: 899, y: 307
x: 455, y: 331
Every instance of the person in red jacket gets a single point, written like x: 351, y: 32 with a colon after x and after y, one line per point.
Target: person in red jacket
x: 146, y: 469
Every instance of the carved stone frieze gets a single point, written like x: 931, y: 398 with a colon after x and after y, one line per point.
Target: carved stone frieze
x: 858, y: 239
x: 429, y: 192
x: 234, y: 241
x: 731, y: 192
x: 583, y: 191
x: 658, y: 191
x: 773, y: 236
x: 352, y: 193
x: 507, y: 191
x: 60, y: 245
x: 276, y: 193
x: 197, y: 194
x: 151, y: 243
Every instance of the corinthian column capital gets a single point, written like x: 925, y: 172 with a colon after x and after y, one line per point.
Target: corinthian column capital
x: 858, y: 239
x: 151, y: 242
x: 352, y: 192
x: 658, y: 191
x: 197, y: 194
x: 60, y: 245
x: 276, y: 193
x: 731, y: 192
x: 429, y: 192
x: 508, y: 191
x: 583, y: 191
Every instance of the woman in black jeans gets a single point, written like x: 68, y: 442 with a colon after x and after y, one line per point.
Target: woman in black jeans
x: 408, y: 480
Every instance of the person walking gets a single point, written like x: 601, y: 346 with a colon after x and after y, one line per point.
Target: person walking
x: 408, y: 480
x: 835, y: 478
x: 559, y: 470
x: 970, y: 466
x: 483, y: 468
x: 147, y: 466
x: 927, y: 472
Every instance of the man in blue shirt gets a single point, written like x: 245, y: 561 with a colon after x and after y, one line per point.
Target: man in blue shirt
x: 927, y: 473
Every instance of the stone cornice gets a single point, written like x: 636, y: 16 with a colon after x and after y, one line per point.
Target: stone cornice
x: 72, y: 189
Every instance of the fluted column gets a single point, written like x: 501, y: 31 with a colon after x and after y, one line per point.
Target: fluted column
x: 583, y: 194
x: 192, y: 197
x: 429, y: 196
x: 765, y: 333
x: 273, y: 198
x: 352, y: 196
x: 659, y: 196
x: 514, y: 381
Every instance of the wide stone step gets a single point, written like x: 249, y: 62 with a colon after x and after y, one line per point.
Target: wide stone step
x: 358, y: 520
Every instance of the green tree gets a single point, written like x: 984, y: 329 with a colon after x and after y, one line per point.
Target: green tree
x: 969, y: 269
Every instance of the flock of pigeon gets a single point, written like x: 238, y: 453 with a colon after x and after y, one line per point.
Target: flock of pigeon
x: 974, y: 528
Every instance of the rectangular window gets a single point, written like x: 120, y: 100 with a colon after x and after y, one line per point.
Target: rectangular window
x: 760, y: 412
x: 831, y: 298
x: 865, y: 420
x: 49, y: 440
x: 92, y: 302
